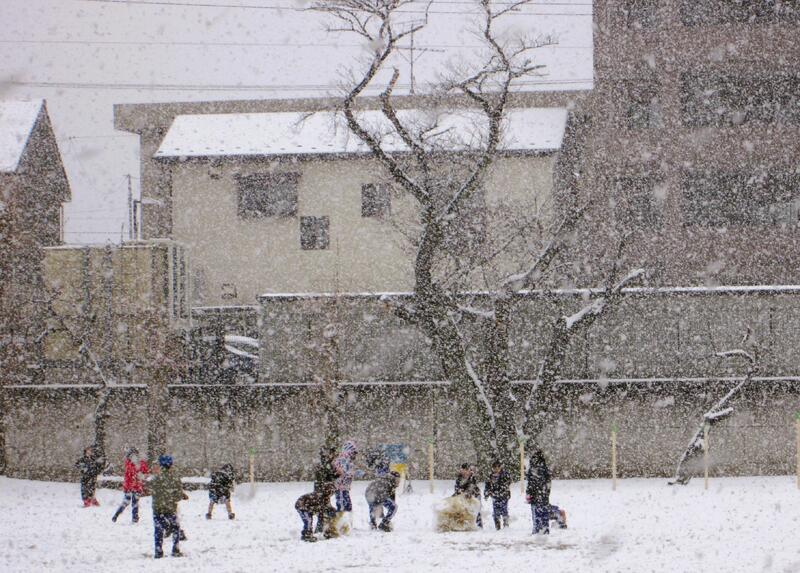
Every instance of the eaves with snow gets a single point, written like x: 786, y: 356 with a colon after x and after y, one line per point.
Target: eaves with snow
x: 525, y: 130
x: 17, y: 119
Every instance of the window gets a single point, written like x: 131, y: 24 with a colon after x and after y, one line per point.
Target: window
x: 637, y: 206
x: 229, y: 291
x: 640, y: 14
x: 375, y: 200
x: 753, y: 199
x: 314, y: 233
x: 268, y: 195
x: 643, y: 109
x: 713, y: 12
x: 718, y: 100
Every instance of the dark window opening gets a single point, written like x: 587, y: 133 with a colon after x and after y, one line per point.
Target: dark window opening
x: 637, y: 206
x: 643, y: 108
x: 714, y: 12
x: 375, y: 200
x: 719, y: 100
x: 268, y: 195
x: 751, y: 199
x: 314, y: 233
x: 640, y: 14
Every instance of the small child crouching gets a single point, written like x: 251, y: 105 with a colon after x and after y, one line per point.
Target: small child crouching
x: 307, y: 505
x: 381, y: 494
x: 220, y: 490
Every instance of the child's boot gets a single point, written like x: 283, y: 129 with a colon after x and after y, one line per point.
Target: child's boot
x: 505, y: 521
x: 87, y: 503
x: 562, y: 519
x: 307, y: 536
x: 231, y: 516
x: 95, y: 502
x: 497, y: 523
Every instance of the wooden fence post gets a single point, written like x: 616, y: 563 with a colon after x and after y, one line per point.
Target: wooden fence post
x: 797, y: 428
x: 705, y: 455
x: 430, y: 464
x: 614, y: 457
x: 252, y: 458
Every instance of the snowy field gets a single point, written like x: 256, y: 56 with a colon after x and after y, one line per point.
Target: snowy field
x: 739, y: 524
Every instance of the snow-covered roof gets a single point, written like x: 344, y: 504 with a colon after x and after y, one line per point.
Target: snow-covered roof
x: 17, y: 119
x: 248, y: 134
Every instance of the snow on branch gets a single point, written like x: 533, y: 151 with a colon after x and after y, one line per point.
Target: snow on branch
x: 481, y: 390
x: 736, y: 353
x: 476, y: 312
x: 597, y: 307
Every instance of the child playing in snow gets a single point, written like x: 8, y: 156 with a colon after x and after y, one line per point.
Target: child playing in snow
x: 381, y: 494
x: 133, y: 484
x: 325, y: 476
x: 538, y: 495
x: 345, y: 471
x: 498, y: 487
x: 220, y: 489
x: 467, y: 485
x: 316, y: 502
x: 167, y: 492
x: 90, y: 465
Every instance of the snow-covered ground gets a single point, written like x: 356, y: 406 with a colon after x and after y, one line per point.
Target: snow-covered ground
x: 739, y: 524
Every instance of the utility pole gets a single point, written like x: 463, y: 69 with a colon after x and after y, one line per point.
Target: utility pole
x: 411, y: 58
x: 131, y: 216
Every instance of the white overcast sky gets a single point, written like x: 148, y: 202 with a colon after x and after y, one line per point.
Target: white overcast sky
x: 83, y: 56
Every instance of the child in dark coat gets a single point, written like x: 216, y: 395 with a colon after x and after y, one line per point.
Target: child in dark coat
x: 538, y: 495
x: 467, y: 485
x: 90, y: 465
x: 220, y: 489
x: 381, y: 494
x: 316, y: 502
x: 498, y: 487
x: 325, y: 476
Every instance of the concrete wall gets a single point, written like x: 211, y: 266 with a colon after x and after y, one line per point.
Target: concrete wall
x: 207, y: 426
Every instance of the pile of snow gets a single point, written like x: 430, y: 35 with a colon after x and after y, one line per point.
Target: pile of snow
x: 739, y: 524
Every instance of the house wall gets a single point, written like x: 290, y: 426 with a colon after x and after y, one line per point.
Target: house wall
x: 365, y: 254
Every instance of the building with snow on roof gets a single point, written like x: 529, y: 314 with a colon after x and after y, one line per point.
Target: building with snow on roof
x: 33, y: 187
x: 293, y: 202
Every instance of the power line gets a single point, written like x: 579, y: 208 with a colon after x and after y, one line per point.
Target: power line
x: 245, y: 44
x: 241, y: 88
x: 293, y: 9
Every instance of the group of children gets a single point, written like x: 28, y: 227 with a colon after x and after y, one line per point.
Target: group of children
x: 498, y: 487
x: 165, y: 488
x: 333, y: 476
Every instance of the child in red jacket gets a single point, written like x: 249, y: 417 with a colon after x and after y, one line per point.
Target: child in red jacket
x: 133, y: 484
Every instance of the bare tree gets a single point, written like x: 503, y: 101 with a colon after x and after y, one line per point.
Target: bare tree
x: 721, y: 410
x: 443, y: 173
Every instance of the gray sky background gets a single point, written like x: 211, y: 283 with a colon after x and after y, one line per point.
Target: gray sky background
x: 83, y: 56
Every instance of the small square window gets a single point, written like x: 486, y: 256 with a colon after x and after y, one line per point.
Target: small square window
x: 229, y: 291
x: 375, y: 200
x: 268, y: 195
x: 314, y: 233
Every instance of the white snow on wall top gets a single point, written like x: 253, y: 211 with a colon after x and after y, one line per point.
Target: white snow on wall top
x: 17, y: 119
x: 213, y: 135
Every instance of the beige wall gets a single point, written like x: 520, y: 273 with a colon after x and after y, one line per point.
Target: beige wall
x: 365, y: 254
